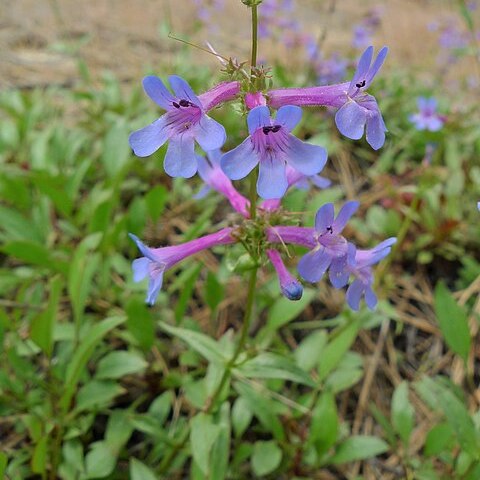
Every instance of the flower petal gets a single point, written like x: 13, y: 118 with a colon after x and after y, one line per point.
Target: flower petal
x: 183, y: 90
x: 320, y: 182
x: 376, y: 130
x: 370, y: 298
x: 272, y: 179
x: 158, y: 92
x: 313, y: 265
x: 344, y: 216
x: 149, y: 139
x: 288, y: 116
x: 362, y: 69
x: 146, y: 252
x: 350, y: 120
x: 354, y: 294
x: 209, y: 133
x: 140, y: 269
x: 324, y: 217
x: 305, y: 157
x: 180, y: 160
x: 154, y: 286
x: 240, y: 161
x: 339, y: 273
x: 377, y: 64
x: 258, y: 117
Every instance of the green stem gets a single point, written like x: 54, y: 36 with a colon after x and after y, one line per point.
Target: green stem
x: 252, y: 283
x: 253, y: 62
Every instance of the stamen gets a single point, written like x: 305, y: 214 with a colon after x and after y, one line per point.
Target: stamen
x: 176, y: 105
x: 360, y: 84
x: 276, y: 128
x: 330, y: 229
x: 266, y: 130
x: 184, y: 103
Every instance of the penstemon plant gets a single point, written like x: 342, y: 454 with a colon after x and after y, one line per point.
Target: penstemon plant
x: 272, y: 160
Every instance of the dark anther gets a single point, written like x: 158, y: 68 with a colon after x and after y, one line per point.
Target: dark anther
x: 330, y: 229
x: 266, y: 130
x: 276, y: 128
x: 360, y: 84
x: 176, y: 105
x: 184, y: 103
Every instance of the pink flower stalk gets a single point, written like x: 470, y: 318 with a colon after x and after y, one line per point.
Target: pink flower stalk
x: 156, y: 261
x: 184, y: 122
x: 299, y: 180
x: 212, y: 174
x: 289, y: 285
x: 255, y: 99
x: 358, y: 111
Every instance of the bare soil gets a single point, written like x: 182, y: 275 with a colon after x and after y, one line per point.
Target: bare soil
x: 41, y: 41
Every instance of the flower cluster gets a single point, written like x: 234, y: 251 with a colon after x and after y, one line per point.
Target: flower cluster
x: 283, y: 161
x: 427, y: 117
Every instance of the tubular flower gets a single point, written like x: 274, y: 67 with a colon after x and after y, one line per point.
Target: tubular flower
x: 213, y: 176
x: 271, y: 144
x: 156, y: 261
x: 358, y: 111
x: 289, y: 285
x: 360, y: 266
x: 300, y: 181
x: 427, y: 117
x: 327, y: 244
x: 184, y: 122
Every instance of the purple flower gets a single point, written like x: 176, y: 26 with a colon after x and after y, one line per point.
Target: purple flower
x: 211, y: 173
x: 362, y: 36
x: 358, y: 111
x: 325, y: 240
x: 331, y: 245
x: 427, y: 117
x: 185, y: 120
x: 360, y: 266
x: 156, y: 261
x: 289, y: 285
x: 331, y: 70
x: 271, y: 144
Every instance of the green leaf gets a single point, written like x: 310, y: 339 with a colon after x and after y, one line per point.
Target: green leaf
x: 41, y: 330
x: 270, y: 365
x: 214, y: 291
x: 203, y: 433
x: 262, y: 407
x: 100, y: 460
x: 140, y: 323
x: 82, y: 269
x: 17, y: 227
x: 241, y: 416
x: 39, y: 458
x: 403, y: 413
x: 155, y: 201
x: 186, y: 292
x: 116, y: 151
x: 266, y: 457
x: 3, y: 464
x: 324, y: 426
x: 97, y: 394
x: 337, y: 348
x: 453, y: 321
x: 221, y: 448
x: 455, y: 412
x: 82, y: 354
x: 204, y: 345
x: 139, y: 471
x: 33, y: 254
x: 439, y: 439
x: 309, y: 352
x: 119, y: 363
x: 358, y: 447
x: 284, y: 311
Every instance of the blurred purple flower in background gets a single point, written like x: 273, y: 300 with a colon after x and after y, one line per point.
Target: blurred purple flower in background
x: 271, y: 144
x: 211, y: 173
x: 427, y: 117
